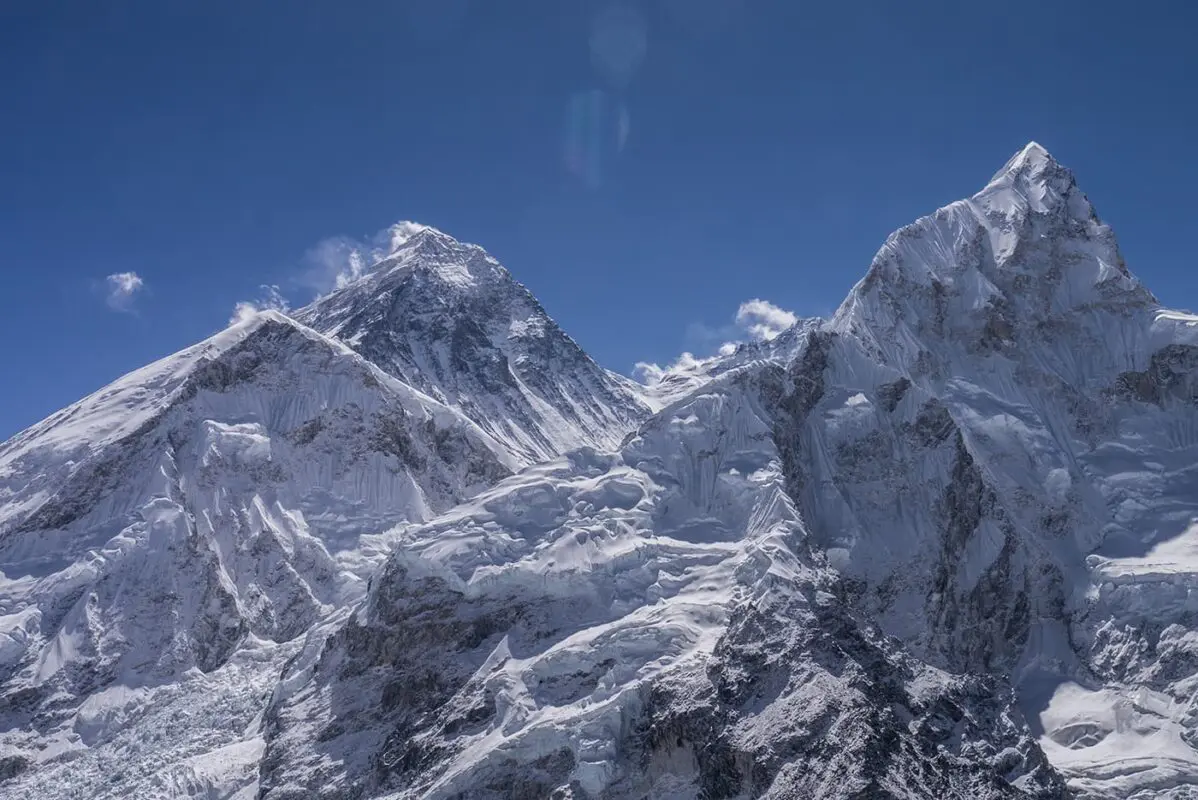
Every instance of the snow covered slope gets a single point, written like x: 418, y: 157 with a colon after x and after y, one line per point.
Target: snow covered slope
x: 207, y: 505
x: 447, y: 319
x: 998, y: 457
x: 649, y: 623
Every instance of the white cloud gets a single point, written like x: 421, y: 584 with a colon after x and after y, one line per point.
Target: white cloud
x: 394, y: 237
x: 649, y: 374
x: 270, y: 300
x: 122, y: 288
x: 756, y: 319
x: 334, y: 262
x: 339, y: 260
x: 763, y: 320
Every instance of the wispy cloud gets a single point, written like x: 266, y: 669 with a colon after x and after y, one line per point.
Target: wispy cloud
x: 649, y: 373
x: 328, y: 265
x: 763, y: 320
x: 122, y: 290
x: 755, y: 320
x: 271, y: 299
x: 334, y: 262
x: 705, y: 338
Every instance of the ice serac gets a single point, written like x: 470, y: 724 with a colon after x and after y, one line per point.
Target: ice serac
x: 188, y: 522
x: 650, y: 623
x: 448, y: 319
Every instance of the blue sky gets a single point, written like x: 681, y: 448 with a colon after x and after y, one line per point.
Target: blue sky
x: 643, y: 167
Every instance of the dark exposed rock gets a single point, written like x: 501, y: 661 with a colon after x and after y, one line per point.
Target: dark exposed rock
x: 1170, y: 376
x: 891, y: 394
x: 405, y: 675
x: 860, y: 734
x: 12, y: 766
x: 932, y: 426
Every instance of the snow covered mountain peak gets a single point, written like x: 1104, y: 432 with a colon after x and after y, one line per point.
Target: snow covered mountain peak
x: 1008, y: 271
x: 448, y: 319
x: 397, y: 235
x: 1033, y: 160
x: 407, y: 246
x: 204, y: 510
x: 1033, y: 182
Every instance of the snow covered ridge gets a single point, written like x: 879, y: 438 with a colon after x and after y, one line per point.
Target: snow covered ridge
x: 219, y: 500
x: 414, y: 543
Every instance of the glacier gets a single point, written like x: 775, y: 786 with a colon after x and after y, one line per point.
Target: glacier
x: 411, y: 541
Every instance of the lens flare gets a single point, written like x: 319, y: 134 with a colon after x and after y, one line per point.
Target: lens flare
x: 584, y: 137
x: 597, y: 130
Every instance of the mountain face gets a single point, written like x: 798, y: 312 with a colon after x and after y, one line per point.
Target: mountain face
x: 448, y: 320
x: 647, y: 623
x: 1000, y: 463
x: 217, y: 502
x: 414, y: 543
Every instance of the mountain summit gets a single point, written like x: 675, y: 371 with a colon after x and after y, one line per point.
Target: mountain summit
x: 1032, y: 161
x: 447, y: 319
x: 415, y: 543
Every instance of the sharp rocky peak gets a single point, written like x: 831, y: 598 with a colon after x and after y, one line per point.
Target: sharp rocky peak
x: 1032, y: 162
x: 1033, y: 183
x: 408, y: 247
x: 1029, y: 242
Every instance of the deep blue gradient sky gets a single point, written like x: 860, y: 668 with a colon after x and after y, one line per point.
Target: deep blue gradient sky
x: 768, y: 147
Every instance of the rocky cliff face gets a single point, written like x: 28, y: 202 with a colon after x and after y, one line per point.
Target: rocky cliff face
x: 1059, y: 391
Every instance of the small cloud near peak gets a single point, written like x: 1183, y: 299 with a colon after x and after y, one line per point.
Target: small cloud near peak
x: 756, y: 320
x: 338, y: 261
x: 652, y: 374
x: 763, y: 320
x: 271, y: 299
x: 122, y: 289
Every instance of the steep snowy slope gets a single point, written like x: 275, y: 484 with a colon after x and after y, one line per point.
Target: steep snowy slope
x: 649, y: 623
x: 689, y: 374
x: 197, y: 510
x: 447, y: 319
x: 998, y: 456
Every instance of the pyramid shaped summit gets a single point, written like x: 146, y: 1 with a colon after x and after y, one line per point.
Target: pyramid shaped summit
x: 1025, y: 257
x: 1033, y: 182
x: 448, y: 319
x: 1034, y: 158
